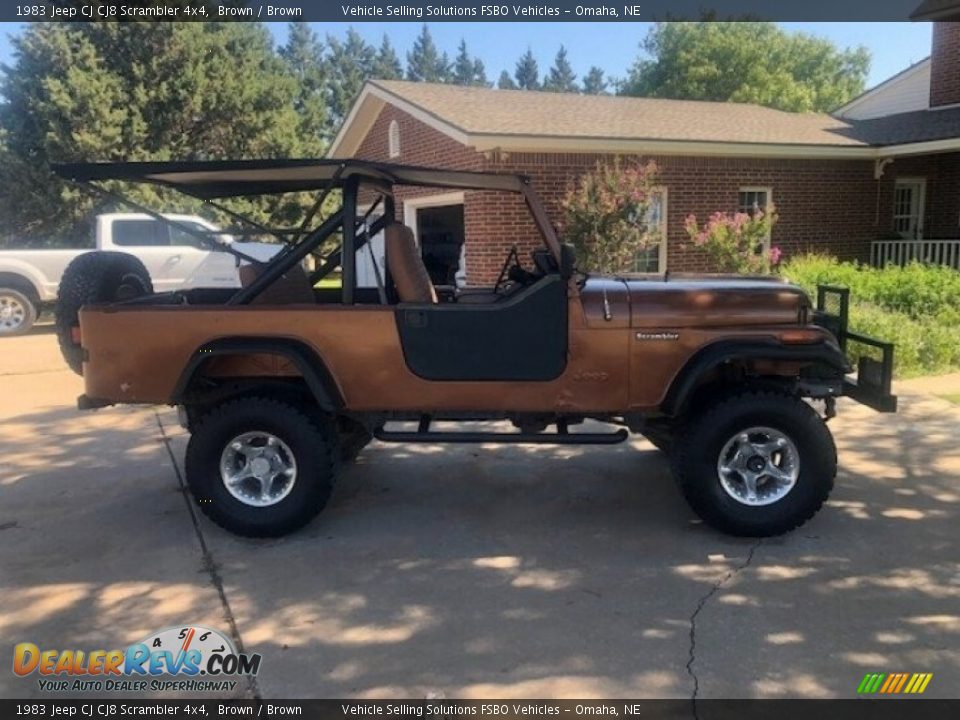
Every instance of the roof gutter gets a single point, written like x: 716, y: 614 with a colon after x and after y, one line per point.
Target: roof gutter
x: 533, y: 143
x: 920, y: 148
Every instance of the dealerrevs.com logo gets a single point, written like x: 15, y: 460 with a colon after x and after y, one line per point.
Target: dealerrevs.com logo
x: 193, y: 658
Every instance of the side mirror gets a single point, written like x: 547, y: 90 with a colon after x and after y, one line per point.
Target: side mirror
x: 568, y: 261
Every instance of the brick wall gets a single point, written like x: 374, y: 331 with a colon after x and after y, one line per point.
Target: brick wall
x: 945, y: 64
x: 825, y: 205
x: 828, y: 205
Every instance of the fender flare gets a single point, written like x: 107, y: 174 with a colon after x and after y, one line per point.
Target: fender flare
x: 307, y: 361
x: 23, y: 280
x: 712, y: 356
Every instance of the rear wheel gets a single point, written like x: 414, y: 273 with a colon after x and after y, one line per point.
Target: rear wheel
x: 755, y: 464
x: 260, y: 467
x: 18, y: 313
x: 95, y: 277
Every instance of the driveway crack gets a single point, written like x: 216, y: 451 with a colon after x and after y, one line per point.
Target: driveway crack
x: 209, y: 566
x: 692, y: 658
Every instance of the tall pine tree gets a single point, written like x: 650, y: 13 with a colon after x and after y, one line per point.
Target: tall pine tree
x: 303, y: 55
x: 350, y: 64
x: 595, y: 82
x: 527, y: 73
x: 506, y: 82
x: 425, y: 63
x: 561, y: 78
x: 387, y: 65
x: 480, y: 73
x: 468, y: 70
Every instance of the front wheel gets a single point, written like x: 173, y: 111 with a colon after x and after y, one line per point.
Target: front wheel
x: 756, y: 464
x: 260, y: 467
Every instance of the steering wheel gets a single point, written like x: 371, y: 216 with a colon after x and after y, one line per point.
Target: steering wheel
x: 502, y: 277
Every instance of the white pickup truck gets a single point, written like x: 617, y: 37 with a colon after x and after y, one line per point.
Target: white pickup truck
x: 175, y: 259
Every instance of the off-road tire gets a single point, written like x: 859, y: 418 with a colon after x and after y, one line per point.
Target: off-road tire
x: 25, y: 308
x: 95, y: 277
x: 315, y: 448
x: 697, y: 447
x: 354, y: 437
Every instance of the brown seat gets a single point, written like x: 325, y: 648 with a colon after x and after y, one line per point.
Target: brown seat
x: 291, y: 288
x: 406, y: 266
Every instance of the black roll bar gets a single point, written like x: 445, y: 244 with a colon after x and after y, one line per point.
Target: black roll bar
x: 279, y: 266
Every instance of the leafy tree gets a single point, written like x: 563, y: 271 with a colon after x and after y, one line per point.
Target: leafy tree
x: 747, y: 62
x: 594, y: 82
x: 734, y: 243
x: 561, y: 77
x: 424, y: 61
x: 387, y: 65
x: 350, y: 63
x: 303, y: 55
x: 468, y: 70
x: 527, y: 73
x: 605, y: 211
x: 506, y: 82
x: 139, y: 91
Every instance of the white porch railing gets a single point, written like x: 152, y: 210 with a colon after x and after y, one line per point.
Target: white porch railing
x: 901, y: 252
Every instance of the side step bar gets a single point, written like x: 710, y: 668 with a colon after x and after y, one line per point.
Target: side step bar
x: 561, y: 437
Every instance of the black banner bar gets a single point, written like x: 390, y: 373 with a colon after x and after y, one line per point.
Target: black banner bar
x: 862, y: 709
x: 359, y: 11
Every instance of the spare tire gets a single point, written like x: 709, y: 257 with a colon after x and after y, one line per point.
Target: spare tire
x: 95, y: 277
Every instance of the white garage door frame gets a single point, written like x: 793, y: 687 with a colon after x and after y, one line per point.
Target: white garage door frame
x: 412, y: 205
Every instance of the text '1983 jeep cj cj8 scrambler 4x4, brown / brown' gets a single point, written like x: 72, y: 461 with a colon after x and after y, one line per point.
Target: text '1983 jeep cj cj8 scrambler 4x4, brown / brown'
x: 282, y: 380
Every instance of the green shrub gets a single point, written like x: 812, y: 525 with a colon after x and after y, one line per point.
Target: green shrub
x: 917, y: 307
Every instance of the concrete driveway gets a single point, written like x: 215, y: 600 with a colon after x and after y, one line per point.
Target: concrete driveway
x: 482, y: 571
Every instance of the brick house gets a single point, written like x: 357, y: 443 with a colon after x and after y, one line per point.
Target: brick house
x: 884, y: 168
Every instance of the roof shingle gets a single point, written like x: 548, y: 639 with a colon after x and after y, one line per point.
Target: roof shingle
x: 484, y: 111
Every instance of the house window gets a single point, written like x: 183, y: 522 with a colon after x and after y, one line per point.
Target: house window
x: 393, y: 139
x: 750, y: 200
x: 653, y: 258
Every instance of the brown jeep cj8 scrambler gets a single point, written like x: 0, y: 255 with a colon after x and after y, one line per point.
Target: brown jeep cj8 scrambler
x: 281, y: 380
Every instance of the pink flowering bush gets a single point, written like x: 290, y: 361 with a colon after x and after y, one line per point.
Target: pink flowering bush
x: 605, y: 215
x: 734, y: 242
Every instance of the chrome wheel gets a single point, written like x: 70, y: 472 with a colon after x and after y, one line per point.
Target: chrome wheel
x: 258, y: 469
x: 13, y: 313
x: 758, y: 466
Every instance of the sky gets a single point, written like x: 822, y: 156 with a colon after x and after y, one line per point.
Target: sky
x: 612, y: 46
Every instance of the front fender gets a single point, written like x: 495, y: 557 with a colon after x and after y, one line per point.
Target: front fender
x: 826, y: 353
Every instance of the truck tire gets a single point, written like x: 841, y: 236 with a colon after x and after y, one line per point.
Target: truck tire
x: 260, y: 467
x: 18, y: 312
x: 755, y: 464
x: 95, y: 277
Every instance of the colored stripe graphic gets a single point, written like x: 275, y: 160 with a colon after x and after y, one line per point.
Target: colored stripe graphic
x: 894, y: 683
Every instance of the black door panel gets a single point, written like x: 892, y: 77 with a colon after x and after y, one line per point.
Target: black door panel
x: 520, y: 338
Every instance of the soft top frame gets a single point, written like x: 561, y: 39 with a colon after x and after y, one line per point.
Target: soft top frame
x: 217, y: 179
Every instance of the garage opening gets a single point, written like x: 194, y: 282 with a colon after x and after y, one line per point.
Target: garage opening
x: 440, y: 232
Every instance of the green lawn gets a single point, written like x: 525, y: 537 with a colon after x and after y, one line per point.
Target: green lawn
x: 952, y: 398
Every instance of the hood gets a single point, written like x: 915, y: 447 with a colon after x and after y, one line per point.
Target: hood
x: 700, y: 301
